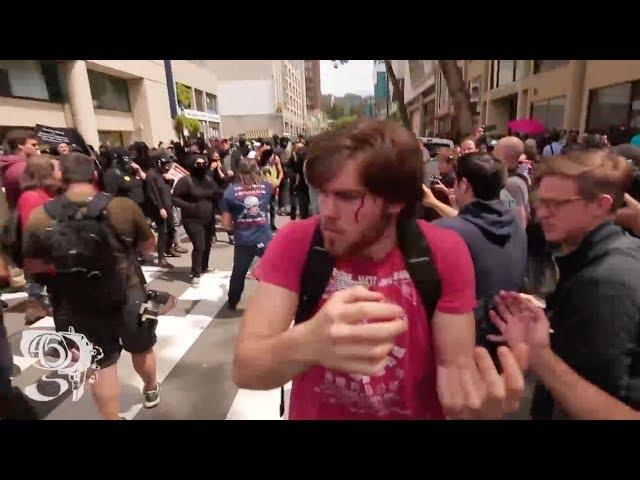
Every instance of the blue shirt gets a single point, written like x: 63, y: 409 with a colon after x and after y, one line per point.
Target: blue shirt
x: 249, y: 206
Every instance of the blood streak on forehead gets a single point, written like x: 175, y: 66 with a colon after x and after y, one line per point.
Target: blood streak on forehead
x: 359, y: 208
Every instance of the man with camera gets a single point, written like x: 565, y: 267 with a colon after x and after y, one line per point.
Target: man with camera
x: 490, y: 230
x: 82, y: 246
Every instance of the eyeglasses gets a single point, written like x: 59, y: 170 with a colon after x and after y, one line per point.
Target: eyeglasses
x: 553, y: 204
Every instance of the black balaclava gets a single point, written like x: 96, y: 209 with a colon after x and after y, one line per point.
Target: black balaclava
x: 121, y: 160
x: 199, y: 170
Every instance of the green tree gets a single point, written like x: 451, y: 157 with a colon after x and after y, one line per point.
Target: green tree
x: 342, y: 121
x: 184, y: 95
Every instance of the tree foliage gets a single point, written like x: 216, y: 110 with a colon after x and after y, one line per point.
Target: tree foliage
x: 342, y: 121
x: 184, y: 95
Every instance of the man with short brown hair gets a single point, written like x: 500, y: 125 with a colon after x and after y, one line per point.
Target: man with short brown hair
x: 595, y: 308
x: 369, y: 347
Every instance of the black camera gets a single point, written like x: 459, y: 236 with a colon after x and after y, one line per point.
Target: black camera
x: 152, y: 307
x: 435, y: 178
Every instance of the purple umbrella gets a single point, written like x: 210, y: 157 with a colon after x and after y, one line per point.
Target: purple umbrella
x: 530, y: 126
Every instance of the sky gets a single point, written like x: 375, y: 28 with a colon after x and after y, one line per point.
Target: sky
x: 356, y: 76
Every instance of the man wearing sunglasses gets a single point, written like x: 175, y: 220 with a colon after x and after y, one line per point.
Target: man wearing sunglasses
x: 595, y: 308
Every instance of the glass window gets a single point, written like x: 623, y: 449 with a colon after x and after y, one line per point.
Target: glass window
x: 199, y: 94
x: 540, y: 66
x: 506, y: 72
x: 33, y: 79
x: 109, y: 92
x: 212, y: 103
x: 609, y: 107
x: 113, y: 139
x: 550, y: 112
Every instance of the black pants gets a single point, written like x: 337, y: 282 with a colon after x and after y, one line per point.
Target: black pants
x: 166, y: 233
x: 293, y: 201
x: 243, y: 255
x: 272, y: 210
x: 282, y: 193
x: 201, y: 236
x: 303, y: 201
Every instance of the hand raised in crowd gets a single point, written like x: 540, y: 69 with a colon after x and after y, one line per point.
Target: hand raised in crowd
x: 629, y: 216
x: 520, y: 321
x: 472, y: 389
x: 338, y: 337
x: 438, y: 185
x: 428, y: 198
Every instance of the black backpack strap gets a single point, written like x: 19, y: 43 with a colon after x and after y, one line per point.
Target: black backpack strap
x: 417, y: 256
x: 315, y: 277
x: 61, y: 208
x: 98, y: 204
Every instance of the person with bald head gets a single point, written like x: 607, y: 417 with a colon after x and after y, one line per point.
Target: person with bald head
x: 516, y: 191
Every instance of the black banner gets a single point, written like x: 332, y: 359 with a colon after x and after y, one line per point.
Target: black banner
x: 54, y: 136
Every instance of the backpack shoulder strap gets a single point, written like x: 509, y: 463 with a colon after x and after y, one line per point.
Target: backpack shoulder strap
x: 315, y: 277
x: 60, y: 208
x: 97, y: 204
x: 419, y: 261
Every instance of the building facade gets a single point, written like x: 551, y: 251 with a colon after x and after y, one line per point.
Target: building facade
x: 261, y: 97
x: 107, y: 101
x: 202, y: 104
x: 312, y: 84
x: 381, y: 98
x: 586, y: 95
x: 418, y: 79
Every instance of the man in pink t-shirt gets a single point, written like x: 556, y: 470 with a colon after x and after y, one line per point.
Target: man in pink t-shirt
x: 369, y: 351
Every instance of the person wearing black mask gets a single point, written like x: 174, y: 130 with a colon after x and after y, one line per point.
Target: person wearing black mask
x: 268, y: 161
x: 196, y: 194
x: 187, y: 155
x: 139, y: 152
x: 299, y: 187
x: 158, y: 206
x: 124, y: 177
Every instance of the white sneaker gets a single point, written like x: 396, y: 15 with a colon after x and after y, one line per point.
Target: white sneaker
x: 195, y: 281
x: 152, y: 397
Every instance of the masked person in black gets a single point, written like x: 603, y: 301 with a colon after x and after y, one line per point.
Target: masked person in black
x: 187, y: 158
x: 196, y: 194
x: 139, y: 153
x: 159, y: 206
x: 124, y: 178
x: 299, y: 186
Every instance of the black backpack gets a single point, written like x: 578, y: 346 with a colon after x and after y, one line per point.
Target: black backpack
x: 83, y: 248
x: 12, y: 239
x: 319, y: 267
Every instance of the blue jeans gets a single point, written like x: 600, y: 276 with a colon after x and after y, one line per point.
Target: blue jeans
x: 243, y: 255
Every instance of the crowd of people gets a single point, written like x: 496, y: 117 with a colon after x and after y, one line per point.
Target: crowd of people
x: 418, y: 287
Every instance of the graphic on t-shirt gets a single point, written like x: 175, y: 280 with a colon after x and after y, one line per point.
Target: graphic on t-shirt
x: 251, y: 209
x: 382, y: 394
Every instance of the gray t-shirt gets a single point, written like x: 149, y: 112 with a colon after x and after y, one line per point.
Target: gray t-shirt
x: 516, y: 193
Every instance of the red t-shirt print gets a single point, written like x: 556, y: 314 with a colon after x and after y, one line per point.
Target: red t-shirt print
x: 407, y: 387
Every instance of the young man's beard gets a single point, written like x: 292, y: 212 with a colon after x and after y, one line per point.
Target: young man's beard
x: 369, y: 237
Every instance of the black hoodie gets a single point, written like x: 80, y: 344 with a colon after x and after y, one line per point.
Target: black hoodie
x: 497, y: 242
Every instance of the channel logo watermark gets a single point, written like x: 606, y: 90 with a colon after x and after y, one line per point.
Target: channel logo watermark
x: 63, y: 353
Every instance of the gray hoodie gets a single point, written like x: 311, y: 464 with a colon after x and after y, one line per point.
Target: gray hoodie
x: 497, y: 242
